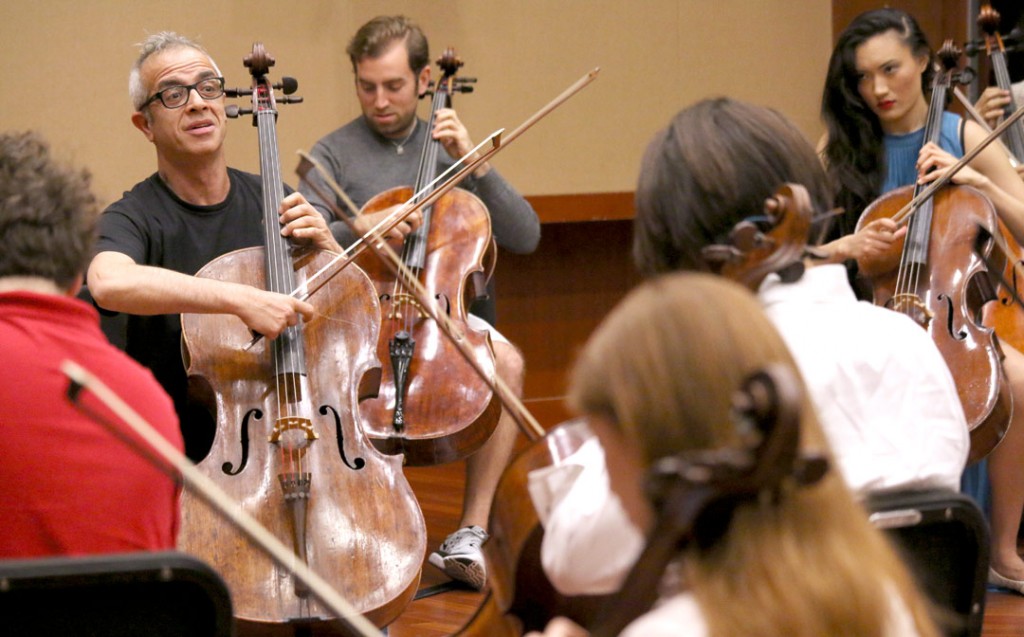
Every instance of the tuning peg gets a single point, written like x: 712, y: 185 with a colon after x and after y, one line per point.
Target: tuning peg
x: 288, y: 85
x: 233, y: 111
x: 237, y: 92
x: 290, y: 100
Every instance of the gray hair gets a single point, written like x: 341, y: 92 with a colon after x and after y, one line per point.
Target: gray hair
x: 157, y: 43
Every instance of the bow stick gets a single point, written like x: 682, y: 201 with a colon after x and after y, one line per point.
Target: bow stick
x: 333, y: 267
x: 976, y: 116
x: 407, y: 208
x: 904, y: 213
x: 325, y: 273
x: 527, y: 423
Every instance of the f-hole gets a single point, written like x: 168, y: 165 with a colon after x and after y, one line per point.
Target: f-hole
x: 243, y: 442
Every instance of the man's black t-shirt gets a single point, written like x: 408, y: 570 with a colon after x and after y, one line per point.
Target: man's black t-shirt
x: 154, y: 227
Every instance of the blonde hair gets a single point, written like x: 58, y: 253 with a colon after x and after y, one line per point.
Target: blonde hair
x: 663, y: 367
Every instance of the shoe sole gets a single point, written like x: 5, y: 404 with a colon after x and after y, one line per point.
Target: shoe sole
x: 464, y: 570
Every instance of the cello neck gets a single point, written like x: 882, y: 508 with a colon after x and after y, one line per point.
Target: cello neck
x: 988, y: 19
x: 288, y: 351
x: 414, y: 250
x: 431, y: 147
x: 278, y: 268
x: 915, y: 248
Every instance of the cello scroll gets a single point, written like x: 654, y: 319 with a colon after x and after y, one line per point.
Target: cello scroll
x: 776, y: 242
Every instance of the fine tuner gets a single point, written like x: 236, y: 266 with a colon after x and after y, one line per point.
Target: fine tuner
x: 287, y: 85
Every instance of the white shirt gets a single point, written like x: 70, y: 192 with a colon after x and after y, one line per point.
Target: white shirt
x: 677, y: 616
x: 883, y: 394
x: 882, y: 390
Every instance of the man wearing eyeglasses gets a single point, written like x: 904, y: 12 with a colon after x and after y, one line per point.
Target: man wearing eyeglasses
x: 192, y: 210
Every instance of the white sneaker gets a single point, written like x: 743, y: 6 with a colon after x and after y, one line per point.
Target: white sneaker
x: 460, y: 556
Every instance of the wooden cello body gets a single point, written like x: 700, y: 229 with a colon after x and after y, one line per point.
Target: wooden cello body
x: 948, y: 299
x: 433, y: 406
x: 520, y: 597
x: 289, y: 447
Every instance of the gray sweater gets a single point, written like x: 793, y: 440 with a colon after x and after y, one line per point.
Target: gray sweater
x: 365, y: 164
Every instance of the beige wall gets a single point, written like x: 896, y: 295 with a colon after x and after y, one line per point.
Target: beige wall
x: 65, y: 65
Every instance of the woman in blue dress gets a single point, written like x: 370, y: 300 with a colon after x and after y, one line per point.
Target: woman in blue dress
x: 875, y: 107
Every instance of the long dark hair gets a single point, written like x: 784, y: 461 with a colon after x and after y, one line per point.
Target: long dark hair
x: 714, y: 166
x: 854, y: 154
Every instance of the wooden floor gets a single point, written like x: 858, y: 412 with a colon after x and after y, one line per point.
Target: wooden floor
x: 1004, y: 615
x: 440, y: 493
x: 439, y: 490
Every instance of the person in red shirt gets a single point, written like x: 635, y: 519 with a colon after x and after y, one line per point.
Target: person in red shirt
x: 68, y: 484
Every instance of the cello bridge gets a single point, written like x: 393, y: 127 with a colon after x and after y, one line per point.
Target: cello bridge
x: 282, y: 427
x: 912, y: 306
x: 402, y: 300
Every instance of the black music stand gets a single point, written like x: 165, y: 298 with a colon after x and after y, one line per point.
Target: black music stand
x: 163, y: 594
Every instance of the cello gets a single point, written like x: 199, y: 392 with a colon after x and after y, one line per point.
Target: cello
x: 289, y: 446
x: 514, y: 526
x: 432, y: 405
x: 934, y: 276
x: 1005, y: 316
x: 777, y: 244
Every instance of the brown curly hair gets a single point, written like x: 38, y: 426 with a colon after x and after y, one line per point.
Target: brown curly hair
x: 47, y: 212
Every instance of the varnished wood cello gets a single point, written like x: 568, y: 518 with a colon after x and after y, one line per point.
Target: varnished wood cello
x: 432, y: 405
x: 691, y: 490
x: 1005, y: 316
x: 289, y: 446
x: 934, y: 276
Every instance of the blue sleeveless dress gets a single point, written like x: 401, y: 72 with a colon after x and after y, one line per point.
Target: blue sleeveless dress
x: 901, y: 151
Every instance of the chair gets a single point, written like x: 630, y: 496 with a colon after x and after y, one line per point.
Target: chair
x: 944, y: 539
x: 163, y: 594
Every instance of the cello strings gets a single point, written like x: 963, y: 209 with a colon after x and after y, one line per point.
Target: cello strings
x: 415, y: 242
x: 287, y: 388
x: 912, y: 260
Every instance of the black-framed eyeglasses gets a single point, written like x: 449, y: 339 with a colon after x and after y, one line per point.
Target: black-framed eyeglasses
x: 209, y: 88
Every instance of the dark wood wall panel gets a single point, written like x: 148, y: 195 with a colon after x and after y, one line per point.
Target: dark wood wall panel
x: 550, y: 301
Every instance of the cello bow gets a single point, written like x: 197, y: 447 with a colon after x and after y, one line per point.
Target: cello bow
x: 529, y: 425
x: 498, y: 142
